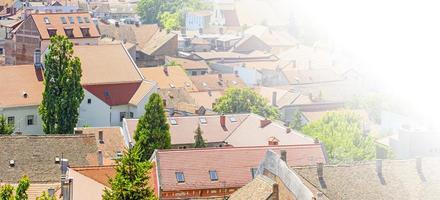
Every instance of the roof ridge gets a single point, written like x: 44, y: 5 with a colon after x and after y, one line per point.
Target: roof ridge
x: 237, y: 148
x: 236, y: 127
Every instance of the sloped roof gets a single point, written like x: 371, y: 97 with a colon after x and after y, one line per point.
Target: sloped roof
x: 305, y: 56
x: 271, y: 37
x: 106, y: 64
x: 228, y: 55
x: 144, y: 88
x: 207, y: 98
x: 175, y: 77
x: 157, y: 41
x: 400, y: 179
x: 233, y: 165
x: 35, y: 155
x: 114, y: 94
x: 284, y: 97
x: 100, y: 174
x: 20, y: 86
x: 55, y: 22
x: 212, y: 82
x: 261, y: 188
x: 188, y: 64
x: 309, y: 76
x: 250, y: 43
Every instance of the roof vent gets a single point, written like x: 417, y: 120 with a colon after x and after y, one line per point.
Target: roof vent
x: 119, y: 154
x: 101, y: 137
x: 11, y: 163
x: 25, y: 94
x: 57, y: 160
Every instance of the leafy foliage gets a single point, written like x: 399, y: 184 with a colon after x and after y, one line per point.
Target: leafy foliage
x: 6, y: 192
x: 198, y: 138
x: 152, y: 131
x: 296, y: 123
x: 23, y: 186
x: 342, y: 134
x: 45, y: 196
x: 63, y: 92
x: 170, y: 21
x: 245, y: 100
x: 5, y: 128
x: 131, y: 180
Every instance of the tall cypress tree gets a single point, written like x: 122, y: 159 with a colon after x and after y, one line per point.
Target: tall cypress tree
x: 152, y: 131
x: 199, y: 142
x: 63, y: 92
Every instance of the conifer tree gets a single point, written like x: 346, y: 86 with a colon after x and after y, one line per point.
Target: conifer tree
x: 153, y: 131
x: 63, y: 92
x: 198, y: 138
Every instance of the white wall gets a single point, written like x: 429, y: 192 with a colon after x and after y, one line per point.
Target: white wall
x: 250, y: 76
x: 20, y: 114
x: 95, y: 114
x: 85, y: 187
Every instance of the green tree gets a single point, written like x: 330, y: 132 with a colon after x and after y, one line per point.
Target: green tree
x: 170, y: 21
x: 296, y: 123
x: 6, y: 192
x: 45, y: 196
x: 63, y: 92
x: 23, y: 186
x: 199, y: 142
x: 342, y: 134
x: 245, y: 100
x: 152, y: 131
x: 5, y: 128
x: 151, y: 11
x: 131, y: 180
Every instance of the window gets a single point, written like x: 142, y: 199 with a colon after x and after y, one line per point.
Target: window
x: 86, y: 19
x: 203, y: 72
x: 1, y: 51
x: 122, y: 116
x: 131, y: 114
x: 253, y: 172
x: 30, y: 120
x: 69, y: 32
x: 46, y: 20
x: 89, y: 101
x: 11, y: 120
x: 52, y: 32
x: 63, y: 20
x: 106, y: 93
x: 71, y: 20
x: 232, y: 119
x: 80, y: 20
x: 85, y: 32
x: 180, y: 177
x: 203, y: 120
x: 173, y: 121
x: 213, y: 175
x: 193, y: 73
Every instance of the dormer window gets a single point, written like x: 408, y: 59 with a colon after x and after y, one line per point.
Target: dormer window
x: 46, y: 20
x: 63, y: 20
x: 213, y: 175
x: 80, y: 20
x: 69, y: 32
x: 203, y: 120
x: 232, y: 119
x: 85, y: 32
x: 86, y: 19
x: 71, y: 20
x: 173, y: 121
x: 180, y: 177
x: 52, y: 32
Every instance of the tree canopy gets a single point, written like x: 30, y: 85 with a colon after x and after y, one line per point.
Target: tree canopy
x: 199, y: 142
x: 63, y: 92
x: 343, y: 137
x: 152, y: 131
x: 131, y: 180
x: 245, y: 100
x: 7, y: 191
x: 45, y: 196
x: 5, y: 128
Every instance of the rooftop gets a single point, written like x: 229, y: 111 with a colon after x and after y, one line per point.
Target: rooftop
x: 188, y: 64
x: 216, y: 82
x: 168, y: 77
x: 100, y: 174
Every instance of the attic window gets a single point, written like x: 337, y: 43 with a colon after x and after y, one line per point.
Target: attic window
x: 46, y: 20
x: 71, y: 20
x: 69, y: 32
x: 86, y: 19
x: 80, y: 20
x: 180, y: 177
x: 232, y: 119
x: 203, y: 120
x: 173, y: 121
x: 213, y: 175
x: 204, y: 84
x: 172, y: 86
x: 51, y: 32
x: 85, y: 32
x: 63, y: 20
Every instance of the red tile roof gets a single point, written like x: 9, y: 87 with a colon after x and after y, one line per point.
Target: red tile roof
x: 100, y: 174
x: 233, y: 165
x: 114, y: 94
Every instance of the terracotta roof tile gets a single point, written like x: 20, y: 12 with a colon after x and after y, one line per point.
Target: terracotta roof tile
x: 233, y: 165
x: 141, y: 92
x: 213, y: 82
x: 175, y: 78
x: 261, y: 188
x: 100, y: 174
x: 188, y: 64
x: 114, y: 94
x: 206, y: 99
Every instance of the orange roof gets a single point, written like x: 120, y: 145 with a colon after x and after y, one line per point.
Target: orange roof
x: 188, y: 64
x: 206, y: 99
x: 213, y: 82
x: 100, y: 174
x: 141, y: 92
x: 175, y: 78
x: 114, y: 94
x: 233, y: 165
x: 106, y: 64
x: 45, y: 21
x: 20, y: 86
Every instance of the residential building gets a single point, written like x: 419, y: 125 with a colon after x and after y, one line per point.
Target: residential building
x: 260, y: 188
x: 216, y: 82
x: 250, y: 43
x: 35, y: 31
x: 168, y: 77
x: 305, y: 57
x: 207, y: 99
x: 197, y: 20
x: 56, y: 6
x: 224, y: 15
x: 200, y: 45
x: 278, y: 40
x: 192, y: 67
x: 153, y: 43
x: 218, y: 172
x: 236, y: 130
x: 222, y: 56
x: 311, y: 76
x: 89, y: 182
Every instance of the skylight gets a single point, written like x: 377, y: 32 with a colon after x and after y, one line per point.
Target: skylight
x: 71, y: 20
x: 232, y: 119
x: 173, y: 121
x: 213, y: 175
x: 46, y: 20
x: 203, y: 120
x: 180, y: 177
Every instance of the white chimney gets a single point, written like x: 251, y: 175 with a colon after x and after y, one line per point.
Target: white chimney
x: 274, y: 98
x: 101, y: 137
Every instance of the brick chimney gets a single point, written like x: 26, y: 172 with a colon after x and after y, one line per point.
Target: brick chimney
x: 283, y: 155
x: 223, y: 121
x: 165, y: 70
x: 101, y: 137
x: 264, y: 122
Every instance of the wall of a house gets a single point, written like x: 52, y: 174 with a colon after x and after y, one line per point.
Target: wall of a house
x: 20, y: 114
x: 250, y: 76
x: 95, y: 114
x: 85, y: 187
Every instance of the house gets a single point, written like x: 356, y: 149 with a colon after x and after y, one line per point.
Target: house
x: 153, y: 43
x: 207, y: 99
x: 260, y: 188
x: 50, y: 6
x: 216, y: 82
x: 237, y: 130
x: 200, y: 45
x: 218, y: 172
x: 168, y: 77
x: 222, y: 56
x: 305, y: 57
x: 224, y: 15
x: 192, y: 67
x: 179, y: 102
x: 225, y: 42
x: 89, y: 182
x: 311, y: 76
x: 197, y: 20
x: 35, y: 31
x: 278, y: 40
x: 250, y: 43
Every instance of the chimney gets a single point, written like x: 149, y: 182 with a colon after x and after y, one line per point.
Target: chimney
x: 264, y: 122
x: 220, y: 76
x: 101, y: 137
x: 210, y: 93
x: 223, y: 121
x: 283, y: 155
x: 419, y: 164
x: 136, y: 24
x: 316, y: 141
x: 236, y: 73
x: 117, y: 24
x: 37, y: 59
x: 379, y: 167
x: 275, y: 193
x: 100, y: 158
x: 274, y: 98
x: 320, y: 170
x: 288, y: 130
x: 164, y: 102
x: 200, y: 31
x: 165, y: 70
